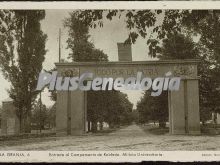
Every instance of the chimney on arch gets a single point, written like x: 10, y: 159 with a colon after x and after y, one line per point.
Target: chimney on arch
x: 124, y: 52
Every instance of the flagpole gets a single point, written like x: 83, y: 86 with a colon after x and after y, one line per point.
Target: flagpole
x: 59, y: 44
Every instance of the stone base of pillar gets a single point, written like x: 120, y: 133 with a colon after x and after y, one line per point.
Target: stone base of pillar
x: 77, y: 132
x: 198, y: 132
x: 61, y: 133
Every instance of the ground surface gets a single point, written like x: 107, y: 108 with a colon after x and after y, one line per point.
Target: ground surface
x: 131, y: 137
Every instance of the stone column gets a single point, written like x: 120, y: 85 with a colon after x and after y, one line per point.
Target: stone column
x: 184, y: 108
x: 192, y: 91
x: 78, y: 112
x: 177, y: 111
x: 61, y: 112
x: 124, y: 52
x: 71, y: 112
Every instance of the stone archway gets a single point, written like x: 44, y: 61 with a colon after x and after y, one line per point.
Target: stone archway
x: 183, y: 104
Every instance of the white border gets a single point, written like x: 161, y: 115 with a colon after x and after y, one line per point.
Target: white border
x: 113, y: 5
x: 43, y: 156
x: 105, y: 156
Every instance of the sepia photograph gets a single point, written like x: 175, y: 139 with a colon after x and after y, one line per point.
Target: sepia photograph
x: 110, y: 80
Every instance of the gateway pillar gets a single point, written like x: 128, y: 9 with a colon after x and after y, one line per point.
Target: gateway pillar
x: 184, y: 108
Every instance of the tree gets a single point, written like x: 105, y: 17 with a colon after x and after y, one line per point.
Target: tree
x: 51, y: 119
x: 153, y: 108
x: 118, y: 109
x: 178, y: 46
x: 78, y: 41
x: 42, y: 116
x: 205, y: 23
x: 22, y: 51
x: 39, y: 114
x: 126, y: 109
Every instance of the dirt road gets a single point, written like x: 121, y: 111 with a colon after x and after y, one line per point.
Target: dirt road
x: 132, y: 137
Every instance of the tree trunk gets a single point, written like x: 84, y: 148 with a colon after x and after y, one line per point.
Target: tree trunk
x: 22, y: 124
x: 22, y: 121
x: 94, y: 126
x: 28, y: 118
x: 89, y: 125
x: 162, y: 124
x: 27, y: 124
x: 101, y: 125
x: 111, y: 125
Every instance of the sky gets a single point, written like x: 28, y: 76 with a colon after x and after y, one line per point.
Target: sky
x: 105, y: 38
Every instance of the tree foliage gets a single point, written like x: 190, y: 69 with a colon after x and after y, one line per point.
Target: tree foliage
x: 112, y: 107
x: 22, y: 51
x: 43, y: 117
x: 78, y: 41
x: 153, y: 109
x: 162, y: 22
x: 178, y: 46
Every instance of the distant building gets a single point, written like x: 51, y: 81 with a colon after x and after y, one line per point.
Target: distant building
x: 9, y: 119
x: 0, y: 116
